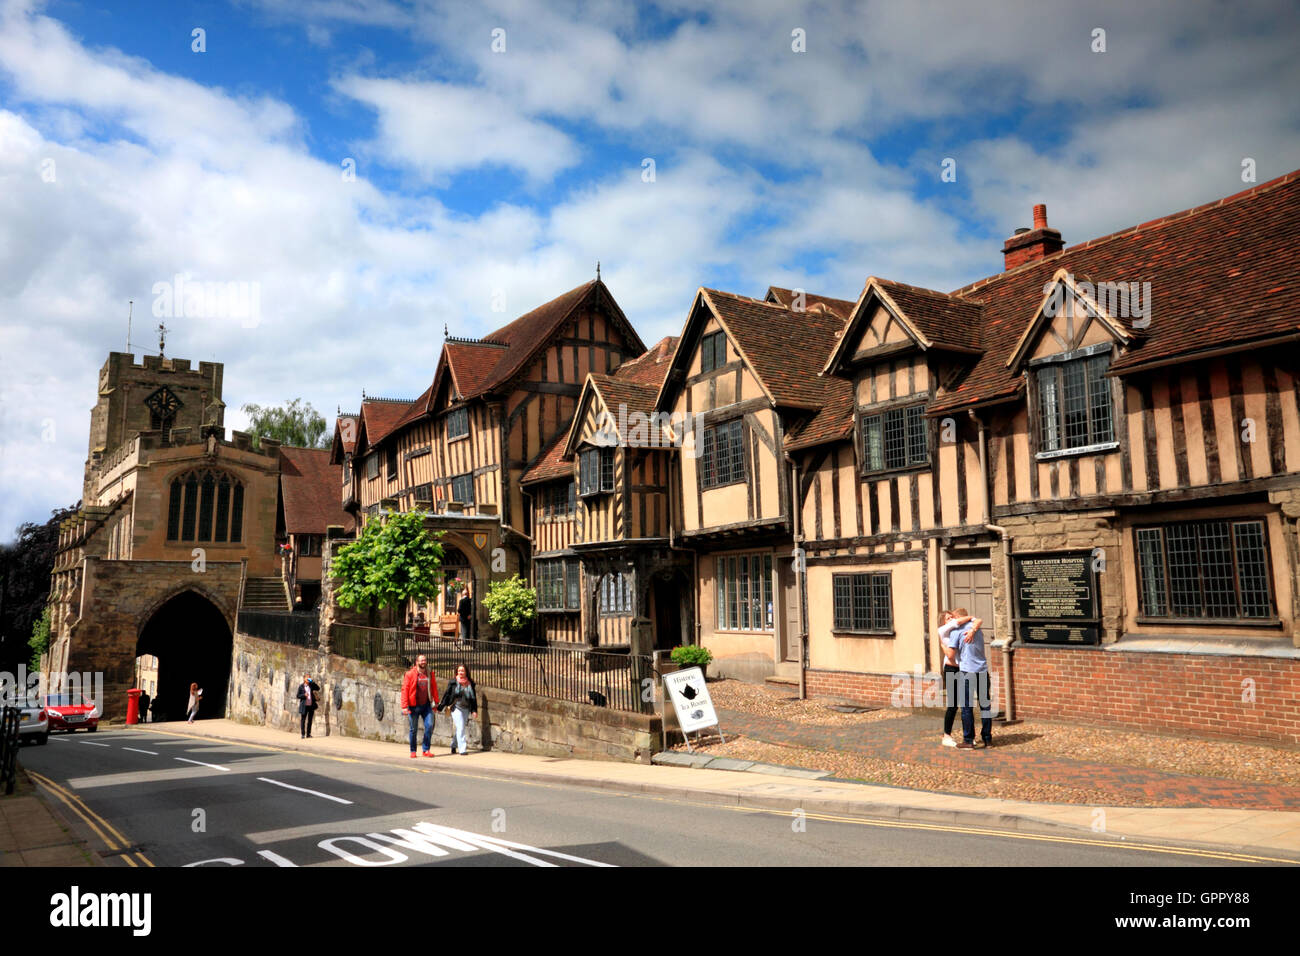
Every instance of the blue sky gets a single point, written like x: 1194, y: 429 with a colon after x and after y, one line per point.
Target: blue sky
x: 483, y: 176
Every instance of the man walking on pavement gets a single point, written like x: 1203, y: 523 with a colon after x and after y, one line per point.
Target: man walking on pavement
x: 974, y: 681
x: 419, y: 691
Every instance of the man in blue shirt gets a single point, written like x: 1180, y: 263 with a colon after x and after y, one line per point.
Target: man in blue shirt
x: 974, y: 681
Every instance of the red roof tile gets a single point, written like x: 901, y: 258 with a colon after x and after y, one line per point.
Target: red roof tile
x: 552, y: 465
x: 1225, y: 273
x: 841, y: 307
x: 786, y: 349
x: 379, y: 416
x: 310, y: 491
x: 943, y: 319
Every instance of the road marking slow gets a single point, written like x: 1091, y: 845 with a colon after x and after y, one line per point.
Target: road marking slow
x: 276, y: 858
x: 202, y: 764
x: 137, y: 750
x: 314, y: 793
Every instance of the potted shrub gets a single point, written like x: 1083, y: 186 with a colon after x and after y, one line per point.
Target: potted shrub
x: 511, y: 605
x: 692, y: 655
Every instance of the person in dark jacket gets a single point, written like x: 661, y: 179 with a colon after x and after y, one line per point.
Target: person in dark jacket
x: 308, y: 700
x: 461, y: 699
x: 465, y: 612
x: 145, y: 701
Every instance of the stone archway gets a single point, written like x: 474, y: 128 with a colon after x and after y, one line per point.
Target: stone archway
x: 191, y: 638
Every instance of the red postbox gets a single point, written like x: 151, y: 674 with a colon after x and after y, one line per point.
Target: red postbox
x: 133, y: 705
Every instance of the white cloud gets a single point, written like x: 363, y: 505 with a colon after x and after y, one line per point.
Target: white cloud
x: 439, y: 128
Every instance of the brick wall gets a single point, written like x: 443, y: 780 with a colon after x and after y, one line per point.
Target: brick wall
x: 1199, y: 693
x: 1206, y: 695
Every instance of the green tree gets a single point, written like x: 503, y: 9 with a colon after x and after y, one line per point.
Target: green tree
x: 395, y: 559
x: 293, y: 424
x: 40, y: 640
x: 511, y: 604
x: 25, y: 567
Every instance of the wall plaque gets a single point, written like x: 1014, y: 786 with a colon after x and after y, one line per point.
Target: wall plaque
x: 1056, y: 598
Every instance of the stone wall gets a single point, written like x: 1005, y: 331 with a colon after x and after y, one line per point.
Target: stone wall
x: 362, y: 700
x: 120, y: 597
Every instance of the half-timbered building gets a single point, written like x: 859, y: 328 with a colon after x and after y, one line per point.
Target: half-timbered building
x: 604, y: 559
x: 745, y: 372
x: 1097, y: 450
x: 460, y: 450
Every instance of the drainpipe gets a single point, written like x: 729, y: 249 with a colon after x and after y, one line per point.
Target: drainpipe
x: 801, y: 572
x: 1009, y: 645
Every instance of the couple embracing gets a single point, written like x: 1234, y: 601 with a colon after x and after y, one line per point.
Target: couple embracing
x: 965, y: 677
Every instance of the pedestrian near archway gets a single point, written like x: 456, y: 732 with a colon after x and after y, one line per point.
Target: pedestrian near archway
x: 196, y: 696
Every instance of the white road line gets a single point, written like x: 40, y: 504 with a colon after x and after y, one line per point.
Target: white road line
x: 276, y: 858
x: 91, y: 743
x: 136, y: 750
x: 314, y: 793
x: 60, y: 740
x: 202, y: 764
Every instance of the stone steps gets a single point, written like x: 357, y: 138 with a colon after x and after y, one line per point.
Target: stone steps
x: 265, y: 594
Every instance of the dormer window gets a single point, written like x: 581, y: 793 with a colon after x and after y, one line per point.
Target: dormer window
x: 1075, y: 411
x: 713, y: 351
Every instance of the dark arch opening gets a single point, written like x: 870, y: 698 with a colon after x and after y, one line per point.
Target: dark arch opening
x: 193, y: 644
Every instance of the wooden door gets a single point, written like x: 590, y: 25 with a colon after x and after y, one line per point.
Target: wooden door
x: 971, y: 586
x: 789, y: 621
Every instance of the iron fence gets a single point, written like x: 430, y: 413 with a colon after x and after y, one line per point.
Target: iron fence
x: 285, y: 627
x: 9, y: 720
x: 604, y: 678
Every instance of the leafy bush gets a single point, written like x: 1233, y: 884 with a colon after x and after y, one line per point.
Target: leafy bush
x: 691, y: 655
x: 510, y: 604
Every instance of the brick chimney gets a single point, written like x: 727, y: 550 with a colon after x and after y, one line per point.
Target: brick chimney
x: 1030, y: 245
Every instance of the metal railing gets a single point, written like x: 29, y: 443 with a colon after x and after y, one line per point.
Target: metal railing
x: 9, y: 720
x: 302, y: 630
x: 607, y: 679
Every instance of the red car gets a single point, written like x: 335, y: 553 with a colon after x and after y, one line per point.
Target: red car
x: 71, y: 712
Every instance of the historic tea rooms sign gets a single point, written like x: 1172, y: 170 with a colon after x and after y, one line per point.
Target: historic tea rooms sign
x: 1056, y: 598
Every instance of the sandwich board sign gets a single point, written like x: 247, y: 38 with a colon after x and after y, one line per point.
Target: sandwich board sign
x: 690, y: 696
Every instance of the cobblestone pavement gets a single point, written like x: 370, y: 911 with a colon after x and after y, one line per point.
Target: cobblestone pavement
x: 1092, y: 765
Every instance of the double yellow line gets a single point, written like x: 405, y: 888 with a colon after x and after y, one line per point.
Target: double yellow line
x: 111, y: 836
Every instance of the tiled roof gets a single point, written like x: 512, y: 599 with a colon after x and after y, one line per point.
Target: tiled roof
x: 832, y: 422
x: 345, y: 435
x: 635, y: 383
x: 478, y: 366
x: 1225, y: 273
x: 473, y: 364
x: 941, y: 318
x: 651, y: 367
x: 310, y: 490
x: 786, y: 349
x: 552, y: 464
x: 380, y: 416
x: 841, y: 307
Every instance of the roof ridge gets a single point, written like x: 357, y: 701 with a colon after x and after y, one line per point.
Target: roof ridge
x: 395, y: 401
x: 1250, y: 193
x: 465, y: 340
